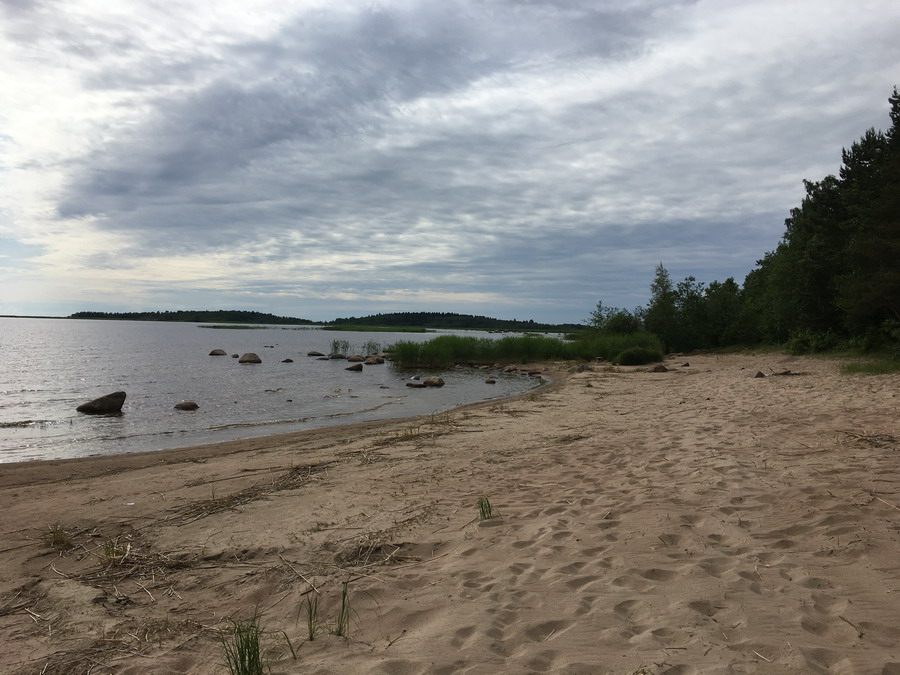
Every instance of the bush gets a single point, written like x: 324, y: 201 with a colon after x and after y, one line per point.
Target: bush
x: 447, y: 350
x: 622, y: 322
x: 637, y: 356
x: 807, y: 342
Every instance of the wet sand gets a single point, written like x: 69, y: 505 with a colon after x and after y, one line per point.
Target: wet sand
x: 695, y: 521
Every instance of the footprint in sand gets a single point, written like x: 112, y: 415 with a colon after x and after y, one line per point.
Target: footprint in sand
x: 704, y: 607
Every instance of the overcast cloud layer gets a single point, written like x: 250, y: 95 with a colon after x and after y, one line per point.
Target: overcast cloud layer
x: 510, y: 158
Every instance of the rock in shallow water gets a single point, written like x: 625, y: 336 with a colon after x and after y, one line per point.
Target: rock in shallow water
x: 111, y: 404
x: 186, y: 405
x: 250, y: 357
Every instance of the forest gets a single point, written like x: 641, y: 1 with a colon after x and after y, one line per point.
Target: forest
x: 445, y: 320
x: 833, y: 281
x: 196, y: 316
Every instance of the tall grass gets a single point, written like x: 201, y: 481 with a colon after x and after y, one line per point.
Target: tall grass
x: 447, y: 350
x: 243, y: 649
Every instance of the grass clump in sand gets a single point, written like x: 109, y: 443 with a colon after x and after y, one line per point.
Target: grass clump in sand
x: 312, y: 616
x: 58, y: 539
x: 341, y: 626
x: 637, y: 356
x: 243, y: 647
x: 485, y: 510
x: 874, y: 367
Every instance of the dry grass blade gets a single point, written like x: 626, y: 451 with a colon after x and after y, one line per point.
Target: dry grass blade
x: 289, y: 480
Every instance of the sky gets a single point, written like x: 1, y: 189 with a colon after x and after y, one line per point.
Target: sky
x: 510, y: 158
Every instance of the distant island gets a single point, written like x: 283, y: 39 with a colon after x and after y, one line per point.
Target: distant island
x: 398, y: 320
x: 197, y: 316
x: 445, y: 320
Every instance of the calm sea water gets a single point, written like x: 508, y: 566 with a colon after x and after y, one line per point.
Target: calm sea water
x: 50, y: 366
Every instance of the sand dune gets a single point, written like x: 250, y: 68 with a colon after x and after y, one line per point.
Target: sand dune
x: 695, y: 521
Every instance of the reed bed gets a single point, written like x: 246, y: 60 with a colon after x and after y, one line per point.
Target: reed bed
x: 448, y: 350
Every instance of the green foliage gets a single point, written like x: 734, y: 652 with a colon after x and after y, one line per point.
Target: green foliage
x: 613, y: 320
x: 434, y: 320
x: 243, y: 648
x: 340, y: 347
x: 447, y: 350
x: 832, y: 280
x: 312, y: 616
x: 485, y: 510
x: 808, y: 342
x: 637, y: 356
x: 58, y: 539
x: 342, y: 623
x: 196, y: 316
x: 872, y: 367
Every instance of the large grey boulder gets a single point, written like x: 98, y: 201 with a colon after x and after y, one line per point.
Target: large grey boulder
x: 249, y: 357
x: 111, y: 404
x: 433, y: 381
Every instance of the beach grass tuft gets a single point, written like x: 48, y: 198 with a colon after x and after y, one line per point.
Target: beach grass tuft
x: 485, y: 509
x: 58, y: 539
x: 242, y: 645
x: 341, y: 626
x: 312, y: 616
x: 872, y: 367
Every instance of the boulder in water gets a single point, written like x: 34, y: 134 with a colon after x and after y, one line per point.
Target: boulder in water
x: 218, y: 352
x: 249, y: 357
x: 111, y: 404
x: 659, y: 368
x: 356, y: 367
x: 433, y: 381
x: 186, y: 405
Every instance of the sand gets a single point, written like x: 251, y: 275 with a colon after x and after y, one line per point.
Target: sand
x: 695, y: 521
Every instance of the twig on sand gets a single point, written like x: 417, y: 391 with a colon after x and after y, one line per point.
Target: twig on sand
x: 894, y: 506
x: 761, y: 656
x: 311, y: 584
x: 144, y: 588
x: 390, y: 642
x: 850, y: 623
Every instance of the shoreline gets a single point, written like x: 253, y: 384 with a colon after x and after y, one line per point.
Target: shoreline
x: 698, y: 520
x: 95, y: 465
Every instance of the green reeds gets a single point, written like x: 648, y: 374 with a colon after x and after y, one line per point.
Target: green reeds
x: 447, y: 350
x: 243, y: 647
x: 342, y: 623
x: 58, y: 539
x: 485, y: 510
x: 312, y: 616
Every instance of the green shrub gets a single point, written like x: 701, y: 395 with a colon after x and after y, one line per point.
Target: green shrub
x: 447, y: 350
x: 637, y: 356
x: 808, y: 342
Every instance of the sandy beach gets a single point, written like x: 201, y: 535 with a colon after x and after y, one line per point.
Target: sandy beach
x: 699, y: 520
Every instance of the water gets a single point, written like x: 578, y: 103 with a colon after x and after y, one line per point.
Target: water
x: 50, y: 366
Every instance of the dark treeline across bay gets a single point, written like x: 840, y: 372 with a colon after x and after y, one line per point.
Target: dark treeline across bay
x: 833, y: 281
x: 197, y: 316
x: 427, y: 320
x: 449, y: 320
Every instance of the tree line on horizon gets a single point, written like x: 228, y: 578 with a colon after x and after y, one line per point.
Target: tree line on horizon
x: 833, y: 279
x: 428, y: 320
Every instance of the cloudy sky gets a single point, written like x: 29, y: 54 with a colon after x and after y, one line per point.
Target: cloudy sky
x: 515, y: 158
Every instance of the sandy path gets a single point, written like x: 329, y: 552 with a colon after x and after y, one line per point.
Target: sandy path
x: 695, y: 521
